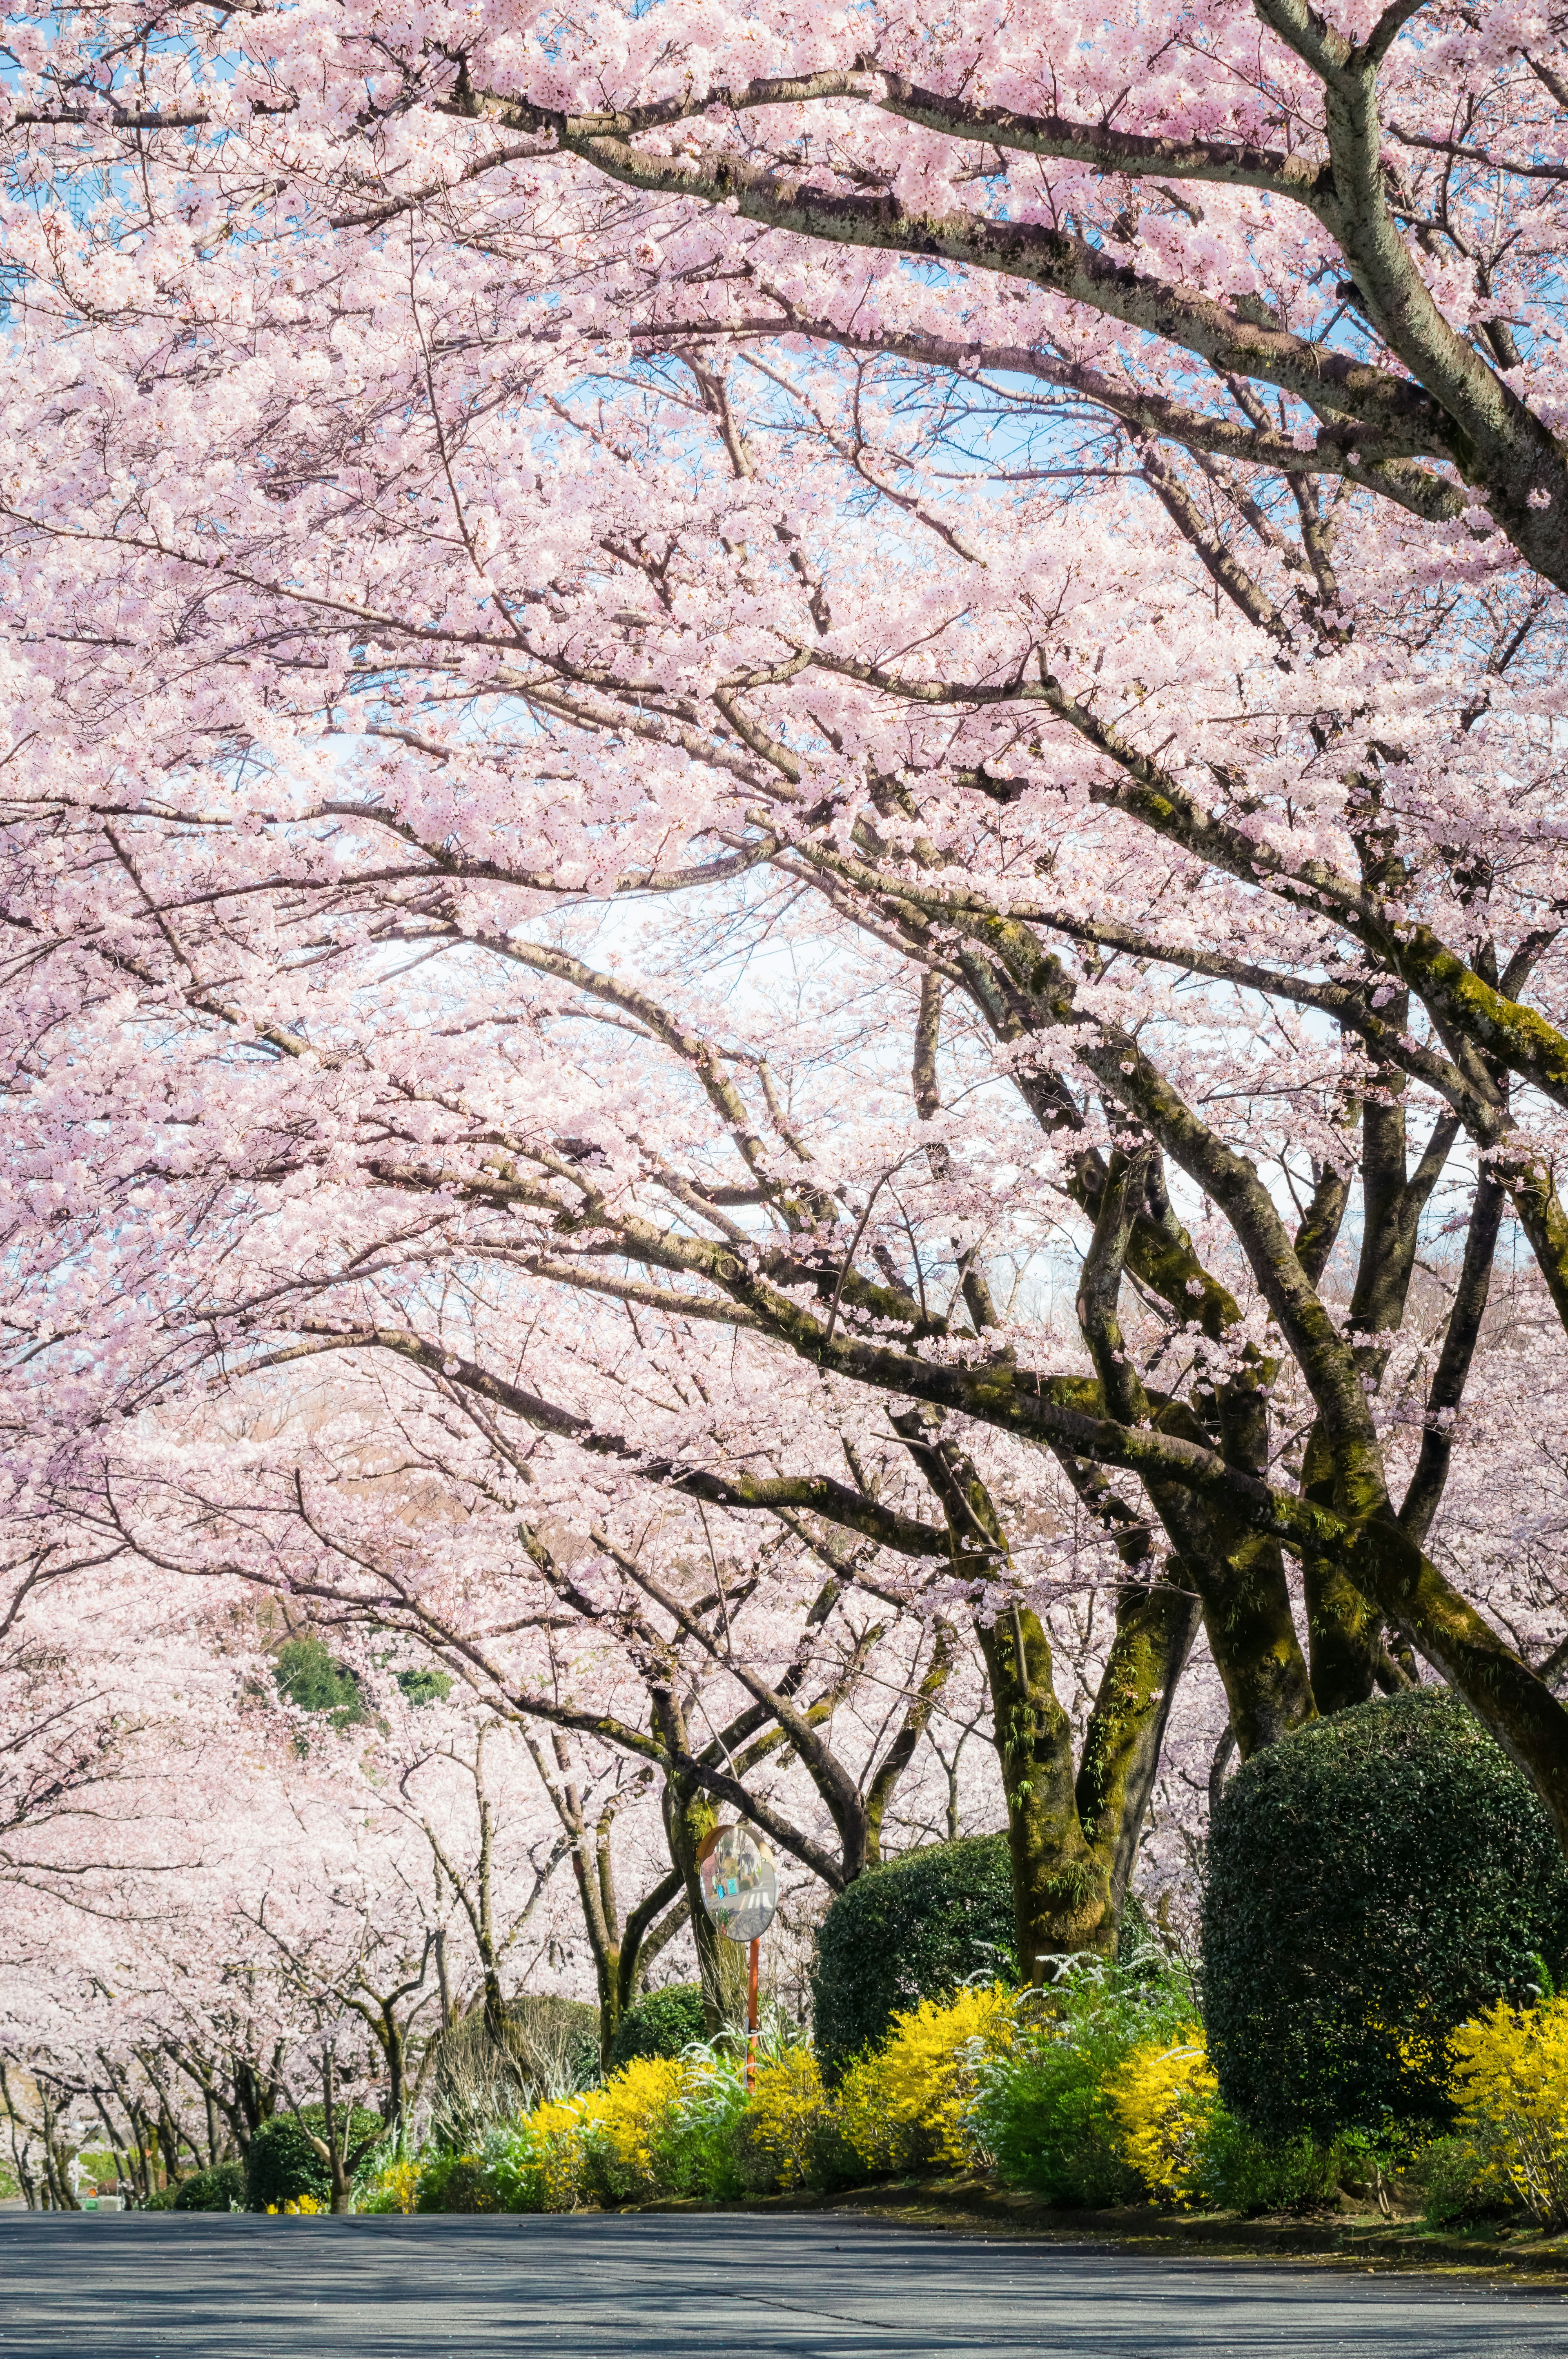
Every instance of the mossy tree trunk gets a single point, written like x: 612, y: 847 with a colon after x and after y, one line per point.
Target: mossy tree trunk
x: 691, y: 1814
x: 1073, y: 1831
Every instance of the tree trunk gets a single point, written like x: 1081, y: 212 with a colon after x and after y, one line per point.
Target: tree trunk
x: 691, y: 1814
x: 1060, y: 1883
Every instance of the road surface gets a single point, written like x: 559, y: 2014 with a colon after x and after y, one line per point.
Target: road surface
x: 162, y: 2286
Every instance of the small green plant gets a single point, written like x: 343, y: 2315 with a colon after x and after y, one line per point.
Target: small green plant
x: 1044, y: 2110
x: 1457, y: 2182
x: 694, y: 2145
x: 1236, y: 2170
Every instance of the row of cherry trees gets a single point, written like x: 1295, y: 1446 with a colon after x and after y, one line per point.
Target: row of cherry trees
x: 257, y: 1863
x: 791, y: 786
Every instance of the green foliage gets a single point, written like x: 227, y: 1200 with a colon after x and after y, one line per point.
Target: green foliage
x: 695, y: 2148
x: 425, y: 1686
x: 914, y: 1929
x: 1457, y: 2183
x: 457, y: 2182
x: 282, y: 2164
x: 1236, y: 2170
x: 222, y: 2188
x: 547, y: 2047
x: 1044, y: 2110
x: 661, y: 2024
x: 1373, y: 1881
x: 315, y: 1680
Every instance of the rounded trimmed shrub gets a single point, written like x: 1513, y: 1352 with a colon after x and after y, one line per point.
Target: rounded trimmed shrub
x: 222, y: 2188
x: 661, y: 2024
x: 914, y: 1928
x: 1373, y: 1880
x: 282, y: 2165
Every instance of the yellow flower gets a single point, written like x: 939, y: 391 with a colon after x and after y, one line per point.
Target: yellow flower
x: 1511, y: 2085
x: 399, y: 2181
x: 786, y: 2105
x: 1162, y: 2100
x: 911, y: 2100
x: 628, y: 2112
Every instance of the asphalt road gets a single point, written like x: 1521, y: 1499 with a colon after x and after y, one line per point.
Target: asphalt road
x: 711, y: 2287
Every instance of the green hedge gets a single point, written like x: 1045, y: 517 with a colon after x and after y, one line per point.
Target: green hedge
x: 222, y: 2188
x: 661, y: 2024
x: 282, y: 2165
x: 1372, y: 1881
x: 913, y: 1929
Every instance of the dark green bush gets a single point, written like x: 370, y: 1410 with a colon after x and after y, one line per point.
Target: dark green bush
x: 282, y: 2165
x: 913, y: 1929
x: 222, y: 2188
x: 661, y: 2024
x: 1372, y: 1881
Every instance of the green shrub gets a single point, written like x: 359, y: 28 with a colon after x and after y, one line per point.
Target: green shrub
x: 1044, y: 2110
x: 1373, y: 1881
x: 455, y: 2182
x: 696, y: 2147
x: 314, y: 1680
x: 911, y: 1930
x: 1457, y: 2182
x: 1236, y: 2170
x: 424, y: 1686
x: 661, y: 2024
x: 282, y: 2165
x: 222, y: 2188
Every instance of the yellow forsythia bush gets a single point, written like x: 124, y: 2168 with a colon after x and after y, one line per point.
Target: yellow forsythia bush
x: 395, y: 2188
x: 910, y: 2101
x: 783, y: 2120
x: 1511, y: 2085
x: 1162, y: 2101
x: 560, y: 2158
x: 622, y: 2123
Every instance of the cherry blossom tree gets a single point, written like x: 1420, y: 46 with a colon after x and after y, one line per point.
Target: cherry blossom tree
x: 1060, y: 536
x: 293, y: 1939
